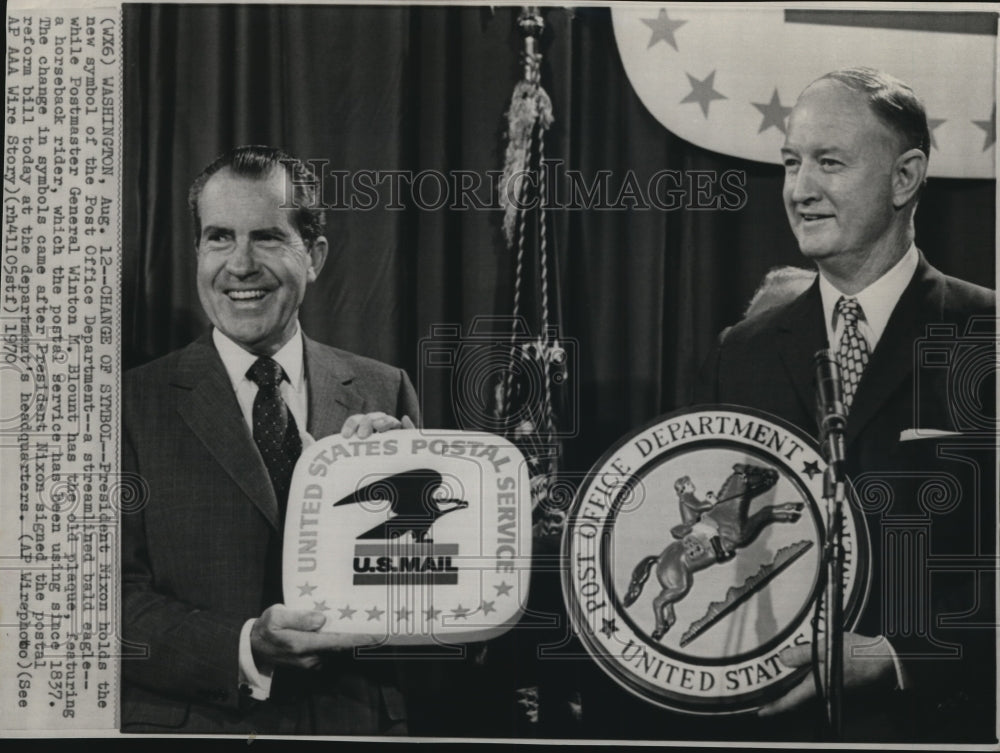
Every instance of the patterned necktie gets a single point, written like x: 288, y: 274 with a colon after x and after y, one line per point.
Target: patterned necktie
x: 274, y: 428
x: 852, y: 355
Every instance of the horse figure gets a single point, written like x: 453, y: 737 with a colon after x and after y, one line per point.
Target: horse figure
x: 676, y: 564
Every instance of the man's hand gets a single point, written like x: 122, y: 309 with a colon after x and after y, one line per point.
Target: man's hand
x: 290, y: 637
x: 867, y: 663
x: 365, y: 424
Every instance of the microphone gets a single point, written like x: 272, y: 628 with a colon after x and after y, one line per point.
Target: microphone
x: 830, y: 394
x: 832, y: 421
x: 832, y: 418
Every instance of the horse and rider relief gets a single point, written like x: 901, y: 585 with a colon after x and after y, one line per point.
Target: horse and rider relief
x: 720, y: 556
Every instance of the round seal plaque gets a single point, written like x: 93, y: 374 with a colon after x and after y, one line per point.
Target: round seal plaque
x: 415, y: 536
x: 693, y: 556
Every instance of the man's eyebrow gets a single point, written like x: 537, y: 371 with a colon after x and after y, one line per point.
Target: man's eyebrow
x: 214, y: 229
x: 819, y: 151
x: 273, y: 230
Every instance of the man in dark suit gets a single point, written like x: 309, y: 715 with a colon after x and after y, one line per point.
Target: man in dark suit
x: 213, y: 430
x: 921, y: 665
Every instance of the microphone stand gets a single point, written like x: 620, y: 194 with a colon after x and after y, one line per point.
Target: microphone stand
x: 832, y: 424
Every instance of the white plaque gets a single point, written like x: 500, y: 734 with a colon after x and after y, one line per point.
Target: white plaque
x: 411, y: 536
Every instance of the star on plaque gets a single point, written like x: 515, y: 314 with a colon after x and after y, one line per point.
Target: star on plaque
x: 609, y: 627
x: 306, y: 590
x: 403, y: 614
x: 460, y: 611
x: 703, y: 92
x: 432, y: 613
x: 774, y: 113
x: 375, y: 613
x: 663, y: 28
x: 487, y: 607
x: 347, y: 613
x: 811, y: 469
x: 990, y: 126
x: 933, y: 123
x: 320, y: 606
x: 503, y: 589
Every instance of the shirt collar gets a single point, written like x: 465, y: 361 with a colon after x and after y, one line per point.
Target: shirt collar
x: 877, y: 300
x: 237, y: 360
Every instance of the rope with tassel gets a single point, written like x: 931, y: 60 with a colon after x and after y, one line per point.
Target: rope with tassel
x: 528, y: 118
x: 529, y: 425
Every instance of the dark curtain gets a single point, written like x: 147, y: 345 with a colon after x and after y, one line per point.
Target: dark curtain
x: 640, y: 294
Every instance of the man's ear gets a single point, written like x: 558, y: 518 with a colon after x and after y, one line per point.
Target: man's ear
x: 317, y: 257
x: 908, y: 175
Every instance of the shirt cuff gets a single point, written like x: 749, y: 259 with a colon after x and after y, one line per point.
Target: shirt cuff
x: 252, y: 681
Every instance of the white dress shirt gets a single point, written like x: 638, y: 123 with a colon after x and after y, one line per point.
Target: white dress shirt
x: 877, y: 301
x: 296, y: 396
x: 238, y: 361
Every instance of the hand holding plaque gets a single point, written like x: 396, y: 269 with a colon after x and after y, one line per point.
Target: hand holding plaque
x: 291, y: 637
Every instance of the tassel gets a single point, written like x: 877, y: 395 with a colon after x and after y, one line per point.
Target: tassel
x: 530, y: 108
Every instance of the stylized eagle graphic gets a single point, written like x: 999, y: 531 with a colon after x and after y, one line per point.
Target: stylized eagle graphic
x: 411, y: 497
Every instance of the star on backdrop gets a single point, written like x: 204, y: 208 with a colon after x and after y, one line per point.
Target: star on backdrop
x: 933, y: 123
x: 774, y: 113
x: 703, y: 92
x: 990, y: 126
x: 663, y: 28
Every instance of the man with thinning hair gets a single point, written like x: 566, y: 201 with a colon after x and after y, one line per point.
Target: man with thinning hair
x: 855, y: 156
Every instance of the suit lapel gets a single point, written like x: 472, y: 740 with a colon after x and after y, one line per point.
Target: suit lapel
x: 208, y: 405
x: 892, y: 360
x: 332, y: 394
x: 800, y: 334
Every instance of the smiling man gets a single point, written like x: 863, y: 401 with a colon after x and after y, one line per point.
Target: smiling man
x: 855, y: 159
x: 214, y: 430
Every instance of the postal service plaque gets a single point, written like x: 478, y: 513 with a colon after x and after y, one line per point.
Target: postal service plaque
x: 413, y: 536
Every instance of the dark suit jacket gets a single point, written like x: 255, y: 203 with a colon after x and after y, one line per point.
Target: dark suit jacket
x: 931, y: 556
x: 195, y: 560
